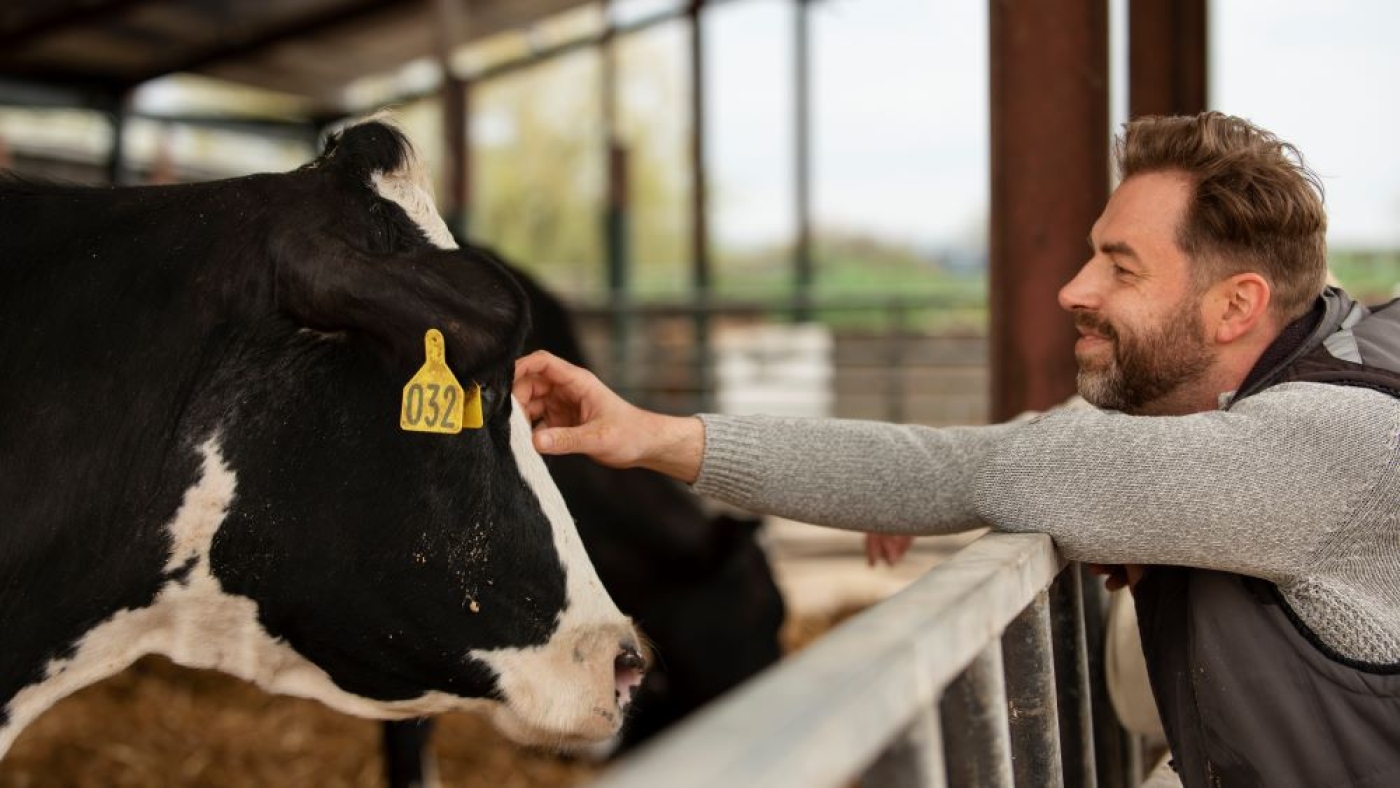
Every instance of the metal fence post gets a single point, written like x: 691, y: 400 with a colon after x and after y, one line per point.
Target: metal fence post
x: 1072, y: 679
x: 913, y: 760
x: 1030, y: 694
x: 1113, y: 762
x: 976, y: 738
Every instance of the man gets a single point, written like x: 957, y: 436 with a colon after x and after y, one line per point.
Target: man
x: 1245, y: 451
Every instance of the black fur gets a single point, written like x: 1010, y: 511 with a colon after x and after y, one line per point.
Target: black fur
x: 137, y: 323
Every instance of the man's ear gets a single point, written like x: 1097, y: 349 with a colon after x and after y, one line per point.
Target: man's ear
x: 1236, y: 306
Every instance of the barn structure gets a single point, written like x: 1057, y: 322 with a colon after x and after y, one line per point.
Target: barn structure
x: 1049, y: 67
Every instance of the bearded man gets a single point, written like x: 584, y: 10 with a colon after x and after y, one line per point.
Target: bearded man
x: 1243, y: 459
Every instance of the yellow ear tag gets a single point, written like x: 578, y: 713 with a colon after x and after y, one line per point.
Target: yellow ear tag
x: 433, y: 401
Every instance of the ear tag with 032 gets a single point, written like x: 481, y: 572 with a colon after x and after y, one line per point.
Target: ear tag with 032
x: 433, y: 400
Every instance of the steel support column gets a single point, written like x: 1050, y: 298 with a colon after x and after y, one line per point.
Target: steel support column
x: 456, y: 111
x: 1049, y: 129
x: 1167, y: 57
x: 700, y: 226
x: 118, y: 117
x: 615, y: 211
x: 455, y: 145
x: 803, y: 274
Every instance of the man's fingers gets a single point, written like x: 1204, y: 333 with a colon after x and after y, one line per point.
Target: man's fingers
x: 564, y: 440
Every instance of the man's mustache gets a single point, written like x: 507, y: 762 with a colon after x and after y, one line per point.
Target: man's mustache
x: 1095, y: 324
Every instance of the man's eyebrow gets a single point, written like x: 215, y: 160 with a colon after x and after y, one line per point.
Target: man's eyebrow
x: 1114, y: 247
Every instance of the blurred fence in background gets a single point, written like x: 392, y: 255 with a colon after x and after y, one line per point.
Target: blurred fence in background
x: 894, y: 358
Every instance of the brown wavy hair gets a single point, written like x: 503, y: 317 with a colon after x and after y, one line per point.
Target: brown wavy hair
x: 1256, y: 207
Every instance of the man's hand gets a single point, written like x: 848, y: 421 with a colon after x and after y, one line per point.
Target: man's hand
x: 889, y: 548
x: 572, y: 412
x: 1119, y: 575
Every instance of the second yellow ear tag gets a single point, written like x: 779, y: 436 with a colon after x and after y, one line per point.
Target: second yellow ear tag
x: 433, y: 400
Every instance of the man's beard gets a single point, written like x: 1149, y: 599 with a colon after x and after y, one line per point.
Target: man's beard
x: 1147, y: 365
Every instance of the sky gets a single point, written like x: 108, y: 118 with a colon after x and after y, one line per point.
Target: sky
x: 900, y: 110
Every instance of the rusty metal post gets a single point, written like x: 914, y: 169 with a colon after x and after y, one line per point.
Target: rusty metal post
x: 1167, y: 57
x: 455, y: 129
x: 1049, y: 128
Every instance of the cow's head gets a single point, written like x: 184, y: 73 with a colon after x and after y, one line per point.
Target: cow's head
x: 396, y: 573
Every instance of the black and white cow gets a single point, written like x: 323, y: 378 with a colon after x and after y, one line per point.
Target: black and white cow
x: 200, y: 456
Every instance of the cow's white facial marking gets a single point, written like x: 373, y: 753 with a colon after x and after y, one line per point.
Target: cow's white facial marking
x: 411, y: 188
x: 566, y: 689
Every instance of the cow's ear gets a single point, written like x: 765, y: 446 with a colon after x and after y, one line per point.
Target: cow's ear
x: 326, y: 285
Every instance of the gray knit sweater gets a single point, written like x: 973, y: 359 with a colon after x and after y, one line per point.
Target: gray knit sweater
x: 1299, y: 485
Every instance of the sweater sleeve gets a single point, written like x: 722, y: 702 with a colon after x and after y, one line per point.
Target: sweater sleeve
x: 858, y: 475
x: 1257, y: 490
x: 1262, y: 489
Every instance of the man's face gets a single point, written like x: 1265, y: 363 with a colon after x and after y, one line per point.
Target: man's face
x: 1142, y: 336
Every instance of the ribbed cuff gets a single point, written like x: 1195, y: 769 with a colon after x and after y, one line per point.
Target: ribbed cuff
x: 730, y: 469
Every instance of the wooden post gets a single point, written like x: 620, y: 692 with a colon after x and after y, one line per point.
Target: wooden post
x: 1167, y: 57
x: 1049, y: 126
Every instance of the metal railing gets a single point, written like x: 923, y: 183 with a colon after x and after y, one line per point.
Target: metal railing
x: 977, y: 674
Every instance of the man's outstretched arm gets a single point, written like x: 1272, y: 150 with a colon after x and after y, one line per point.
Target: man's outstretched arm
x: 575, y: 413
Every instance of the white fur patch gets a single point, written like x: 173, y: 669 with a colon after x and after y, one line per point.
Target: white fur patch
x: 565, y: 688
x: 411, y: 187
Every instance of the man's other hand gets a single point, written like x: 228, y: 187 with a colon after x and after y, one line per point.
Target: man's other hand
x: 1119, y: 575
x: 889, y: 548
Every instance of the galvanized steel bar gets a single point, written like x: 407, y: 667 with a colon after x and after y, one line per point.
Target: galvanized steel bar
x: 914, y: 759
x: 1030, y: 694
x: 830, y: 711
x: 1111, y: 741
x: 1072, y: 679
x: 976, y: 739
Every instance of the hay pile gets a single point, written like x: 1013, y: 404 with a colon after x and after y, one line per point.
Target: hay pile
x: 158, y: 724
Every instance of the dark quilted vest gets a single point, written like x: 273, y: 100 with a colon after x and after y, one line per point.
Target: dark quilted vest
x: 1248, y: 695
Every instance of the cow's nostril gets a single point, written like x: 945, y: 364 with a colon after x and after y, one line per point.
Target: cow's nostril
x: 629, y: 667
x: 629, y: 659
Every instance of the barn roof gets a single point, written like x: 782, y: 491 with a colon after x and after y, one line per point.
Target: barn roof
x: 98, y: 50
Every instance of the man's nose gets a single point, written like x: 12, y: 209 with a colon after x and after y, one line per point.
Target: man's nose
x: 1079, y: 292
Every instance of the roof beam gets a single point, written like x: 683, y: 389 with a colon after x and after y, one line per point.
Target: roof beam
x: 339, y: 15
x: 63, y: 19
